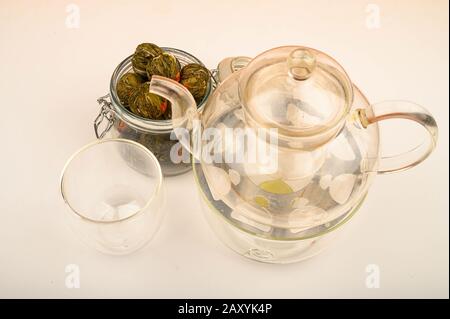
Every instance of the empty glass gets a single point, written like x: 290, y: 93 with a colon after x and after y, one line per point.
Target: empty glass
x: 114, y: 190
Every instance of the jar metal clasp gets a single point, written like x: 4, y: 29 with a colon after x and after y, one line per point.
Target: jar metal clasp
x: 105, y: 113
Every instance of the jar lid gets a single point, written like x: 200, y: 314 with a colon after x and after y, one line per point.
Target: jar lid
x: 298, y: 90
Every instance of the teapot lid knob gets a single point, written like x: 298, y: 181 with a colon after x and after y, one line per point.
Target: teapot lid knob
x: 301, y: 63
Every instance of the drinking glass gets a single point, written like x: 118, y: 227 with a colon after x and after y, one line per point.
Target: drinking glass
x: 114, y: 190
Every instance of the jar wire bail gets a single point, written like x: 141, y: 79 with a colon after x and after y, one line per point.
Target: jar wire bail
x: 105, y: 113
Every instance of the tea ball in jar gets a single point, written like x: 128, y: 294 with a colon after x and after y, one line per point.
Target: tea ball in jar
x: 146, y: 104
x: 165, y: 65
x: 127, y: 85
x: 144, y: 53
x: 195, y: 78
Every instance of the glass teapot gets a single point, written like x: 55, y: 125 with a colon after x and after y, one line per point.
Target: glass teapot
x: 286, y: 149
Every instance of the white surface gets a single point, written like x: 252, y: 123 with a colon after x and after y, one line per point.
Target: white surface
x: 51, y: 76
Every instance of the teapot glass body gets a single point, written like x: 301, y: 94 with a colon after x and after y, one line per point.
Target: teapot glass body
x: 286, y: 149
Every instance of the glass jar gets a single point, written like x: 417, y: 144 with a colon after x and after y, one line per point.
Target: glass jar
x: 115, y: 121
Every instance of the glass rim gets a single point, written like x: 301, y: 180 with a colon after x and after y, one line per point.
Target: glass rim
x: 151, y: 198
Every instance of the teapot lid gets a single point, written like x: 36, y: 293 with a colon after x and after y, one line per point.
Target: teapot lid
x: 298, y: 90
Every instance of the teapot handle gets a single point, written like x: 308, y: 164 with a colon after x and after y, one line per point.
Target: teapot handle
x: 402, y: 110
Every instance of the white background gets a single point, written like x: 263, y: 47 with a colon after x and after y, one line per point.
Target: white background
x: 51, y: 76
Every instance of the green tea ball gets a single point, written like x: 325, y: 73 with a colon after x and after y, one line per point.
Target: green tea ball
x: 145, y: 52
x: 128, y: 83
x: 146, y: 104
x: 195, y: 78
x: 165, y: 65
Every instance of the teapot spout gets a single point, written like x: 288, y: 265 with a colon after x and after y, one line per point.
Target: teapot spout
x: 184, y: 107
